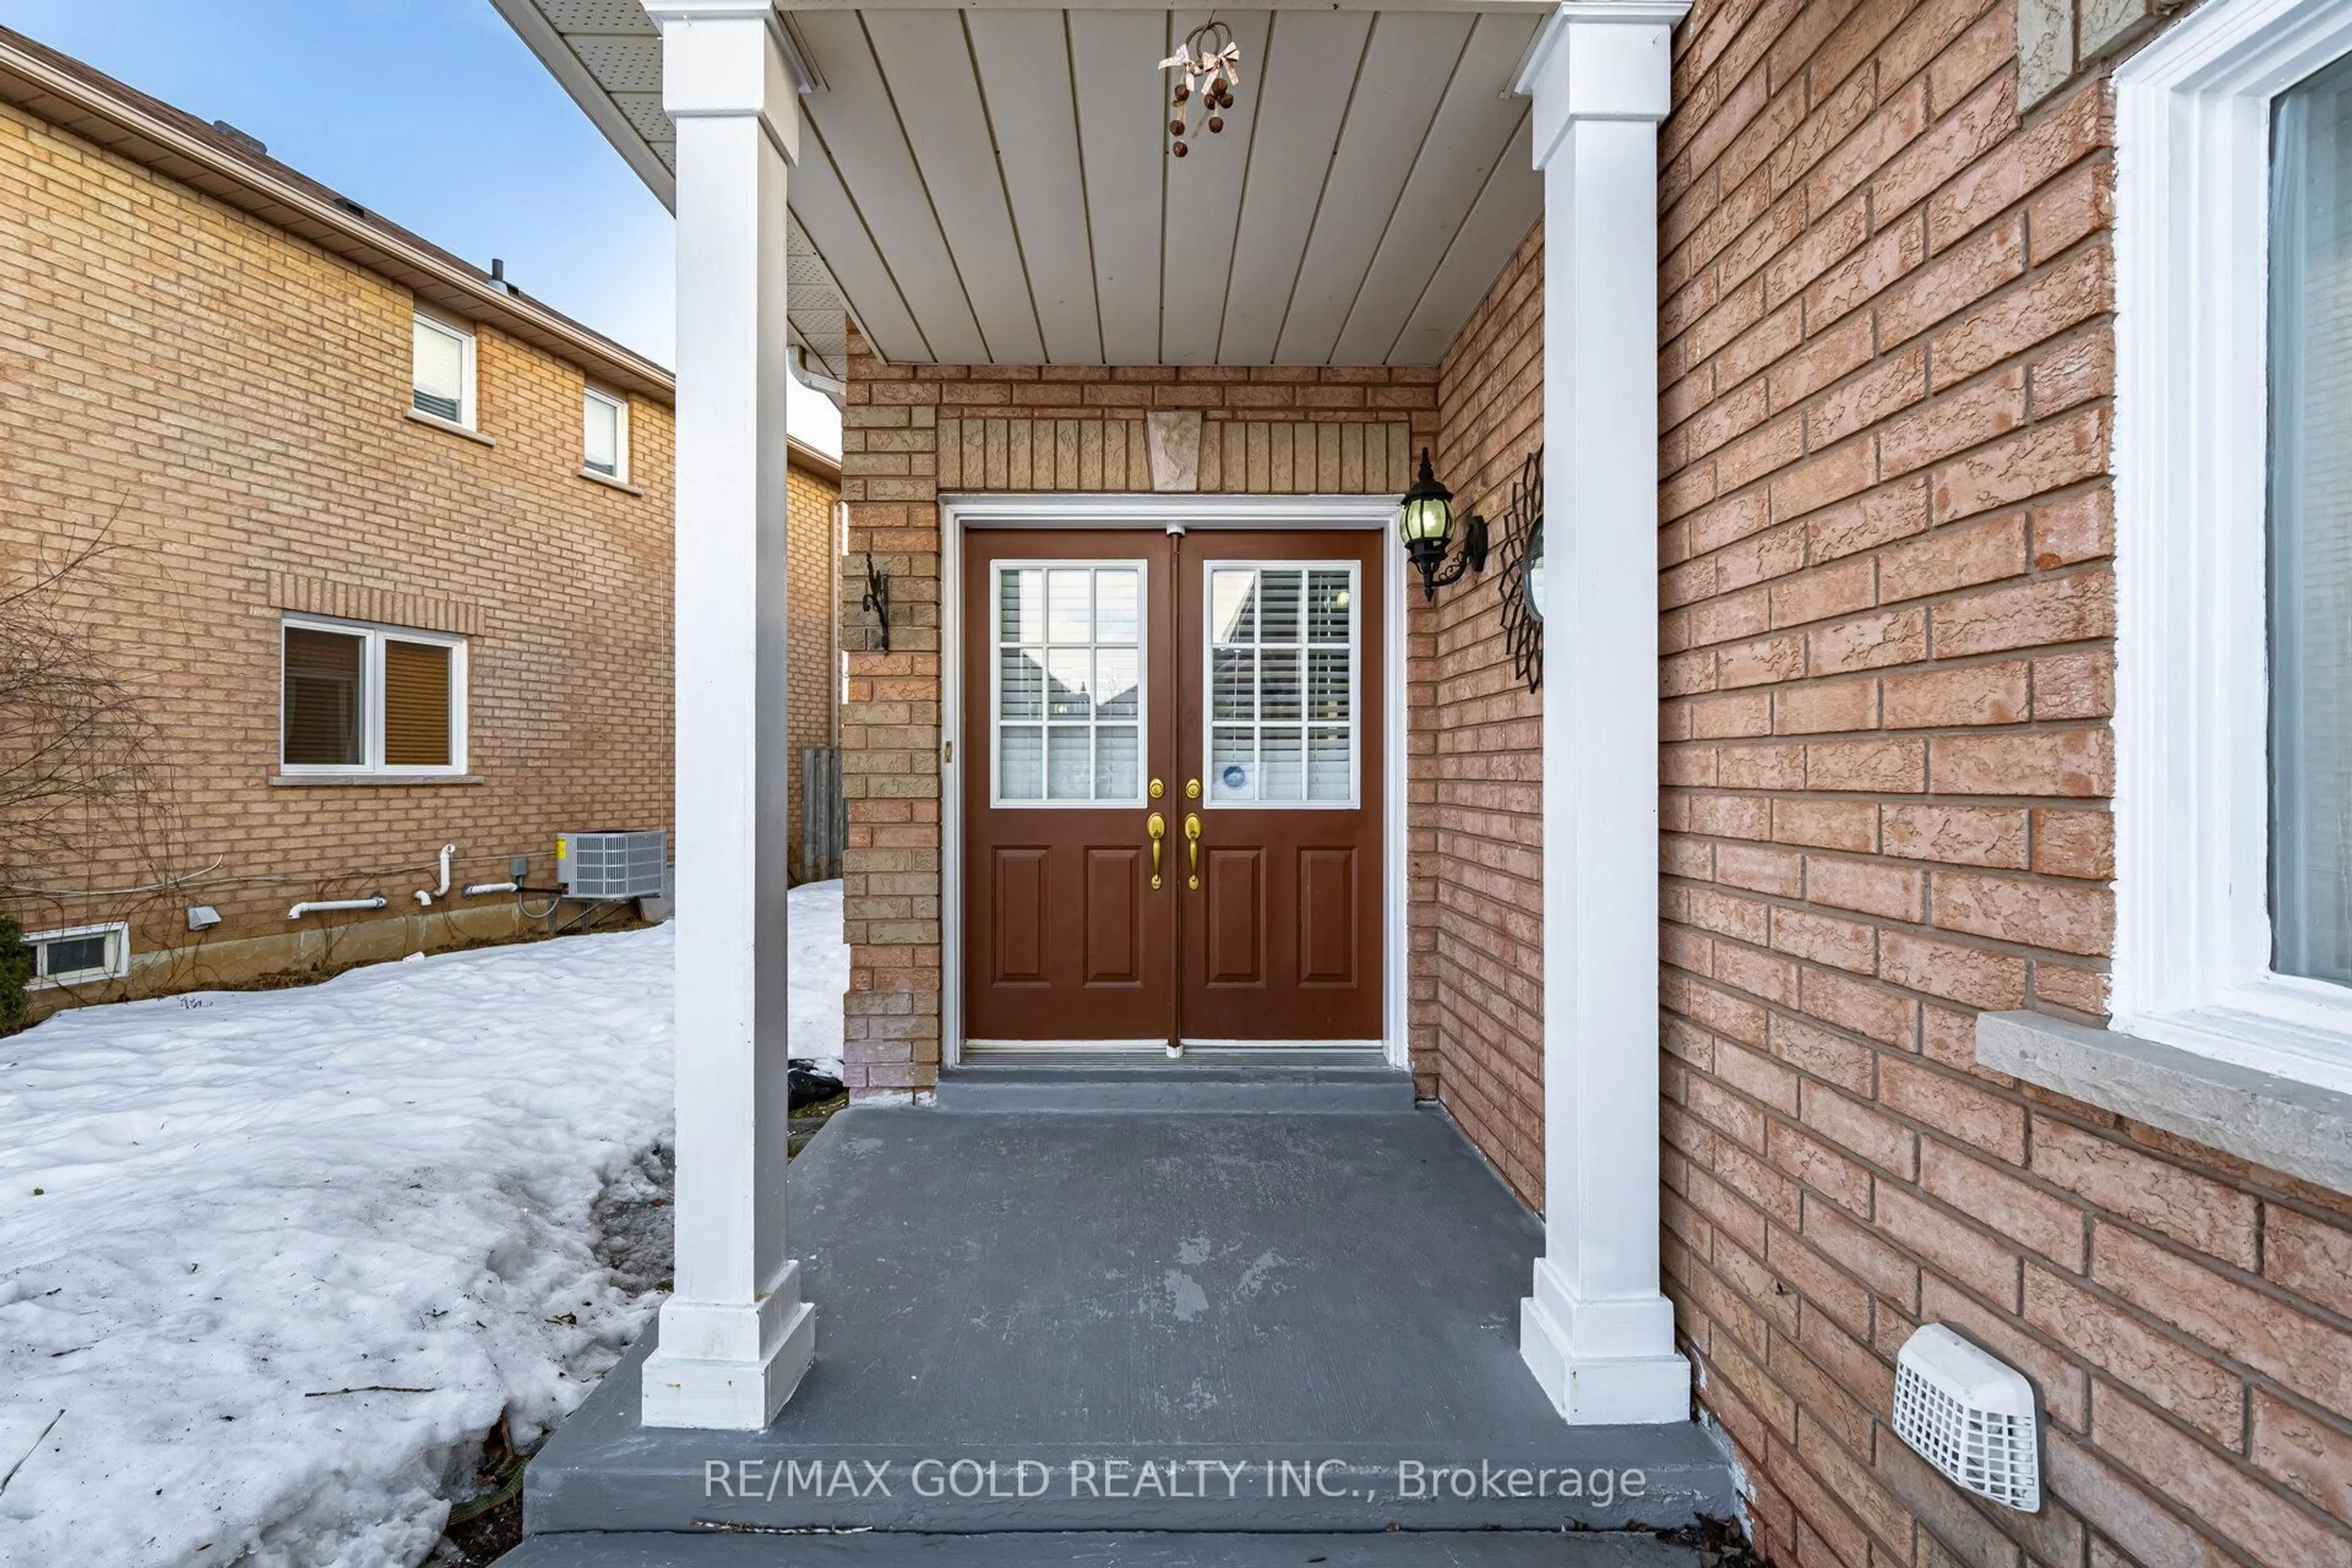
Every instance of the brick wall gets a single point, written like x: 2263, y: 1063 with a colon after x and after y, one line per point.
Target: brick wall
x: 1886, y: 667
x: 1476, y: 908
x: 809, y: 622
x: 910, y: 432
x: 226, y: 402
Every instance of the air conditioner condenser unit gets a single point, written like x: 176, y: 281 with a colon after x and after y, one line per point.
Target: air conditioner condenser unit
x: 599, y: 865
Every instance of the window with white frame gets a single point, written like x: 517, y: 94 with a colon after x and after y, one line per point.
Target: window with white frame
x: 1067, y: 700
x: 2233, y: 494
x: 604, y: 435
x: 79, y: 955
x: 441, y: 380
x: 358, y: 699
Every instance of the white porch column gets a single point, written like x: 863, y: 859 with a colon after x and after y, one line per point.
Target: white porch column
x: 1596, y: 1331
x: 735, y: 1336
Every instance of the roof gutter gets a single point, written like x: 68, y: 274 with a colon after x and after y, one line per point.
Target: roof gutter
x: 42, y: 90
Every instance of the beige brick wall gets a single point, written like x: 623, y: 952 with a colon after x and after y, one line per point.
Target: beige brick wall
x: 910, y: 432
x: 1887, y: 680
x: 809, y: 622
x: 1477, y: 777
x: 227, y: 402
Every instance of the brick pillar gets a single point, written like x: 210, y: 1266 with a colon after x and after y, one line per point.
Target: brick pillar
x: 891, y: 735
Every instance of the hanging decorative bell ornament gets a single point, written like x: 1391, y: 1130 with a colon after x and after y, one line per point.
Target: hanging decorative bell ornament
x: 1211, y: 63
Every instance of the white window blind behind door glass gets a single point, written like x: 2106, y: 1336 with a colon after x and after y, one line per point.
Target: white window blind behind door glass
x: 2311, y: 528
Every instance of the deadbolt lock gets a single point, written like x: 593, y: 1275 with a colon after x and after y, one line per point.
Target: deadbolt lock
x: 1192, y: 789
x: 1158, y: 789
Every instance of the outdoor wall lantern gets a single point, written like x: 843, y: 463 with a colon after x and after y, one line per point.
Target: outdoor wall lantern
x: 1426, y: 525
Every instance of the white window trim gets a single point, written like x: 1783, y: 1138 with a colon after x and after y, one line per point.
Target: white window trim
x: 2192, y: 713
x: 996, y: 798
x: 118, y: 955
x: 467, y: 412
x: 620, y: 406
x: 1207, y: 739
x: 372, y: 687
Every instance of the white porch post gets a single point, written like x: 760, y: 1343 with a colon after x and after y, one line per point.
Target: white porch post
x: 1596, y: 1331
x: 735, y: 1336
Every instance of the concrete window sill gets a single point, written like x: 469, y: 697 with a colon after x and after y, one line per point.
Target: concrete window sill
x: 2299, y: 1128
x: 338, y: 781
x: 610, y: 483
x: 450, y: 426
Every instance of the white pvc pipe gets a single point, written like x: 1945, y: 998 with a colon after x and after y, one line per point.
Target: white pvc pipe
x: 320, y: 905
x: 443, y: 890
x: 475, y: 889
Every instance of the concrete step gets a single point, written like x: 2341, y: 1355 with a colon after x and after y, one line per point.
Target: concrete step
x: 1304, y: 1083
x: 1123, y: 1548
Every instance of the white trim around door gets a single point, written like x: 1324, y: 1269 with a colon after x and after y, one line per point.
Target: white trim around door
x: 1187, y: 513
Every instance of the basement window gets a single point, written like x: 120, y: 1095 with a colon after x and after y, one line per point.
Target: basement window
x: 358, y: 699
x: 441, y: 384
x: 80, y: 955
x: 604, y: 435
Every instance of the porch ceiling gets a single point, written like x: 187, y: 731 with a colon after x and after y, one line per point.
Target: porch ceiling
x: 991, y: 185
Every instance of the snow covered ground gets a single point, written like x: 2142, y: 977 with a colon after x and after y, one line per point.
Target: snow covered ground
x: 270, y: 1262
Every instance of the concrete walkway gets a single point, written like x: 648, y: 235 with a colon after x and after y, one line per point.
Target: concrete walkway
x: 1400, y: 1548
x: 1104, y: 1322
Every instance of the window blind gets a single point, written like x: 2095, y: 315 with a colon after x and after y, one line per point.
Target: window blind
x: 601, y: 417
x: 438, y: 386
x: 415, y: 705
x: 322, y: 698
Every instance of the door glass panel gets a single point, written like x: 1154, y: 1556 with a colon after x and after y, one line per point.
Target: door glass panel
x: 1282, y: 667
x: 1069, y: 653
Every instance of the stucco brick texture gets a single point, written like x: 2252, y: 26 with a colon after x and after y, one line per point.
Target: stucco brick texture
x: 225, y: 403
x: 1886, y: 682
x: 1476, y: 807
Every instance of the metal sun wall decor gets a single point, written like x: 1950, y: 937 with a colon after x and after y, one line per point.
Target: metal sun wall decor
x: 1523, y: 531
x: 1208, y: 68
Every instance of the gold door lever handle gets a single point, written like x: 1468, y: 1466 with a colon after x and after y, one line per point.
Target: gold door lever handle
x: 1157, y: 826
x: 1193, y: 848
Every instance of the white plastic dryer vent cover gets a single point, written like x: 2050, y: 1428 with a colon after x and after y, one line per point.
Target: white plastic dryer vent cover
x: 1970, y: 1416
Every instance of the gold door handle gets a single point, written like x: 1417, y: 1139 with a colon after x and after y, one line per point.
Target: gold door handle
x: 1156, y: 825
x: 1193, y: 848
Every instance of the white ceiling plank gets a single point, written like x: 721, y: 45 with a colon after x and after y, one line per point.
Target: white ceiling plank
x: 1471, y: 135
x: 861, y: 132
x: 1204, y: 195
x: 1024, y: 78
x: 1506, y: 210
x: 1308, y: 79
x: 839, y: 235
x: 1112, y: 58
x: 1407, y: 64
x: 930, y: 71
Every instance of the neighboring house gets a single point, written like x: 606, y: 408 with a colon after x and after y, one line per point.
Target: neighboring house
x: 1843, y: 939
x: 385, y: 561
x: 814, y: 483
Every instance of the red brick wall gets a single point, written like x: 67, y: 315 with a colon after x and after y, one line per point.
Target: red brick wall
x: 1477, y: 782
x: 910, y: 432
x: 225, y: 402
x: 1887, y: 675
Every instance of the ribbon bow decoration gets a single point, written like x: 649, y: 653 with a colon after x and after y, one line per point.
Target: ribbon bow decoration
x: 1209, y: 56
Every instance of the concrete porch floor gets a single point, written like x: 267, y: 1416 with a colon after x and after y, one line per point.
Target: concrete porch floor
x: 1171, y: 1321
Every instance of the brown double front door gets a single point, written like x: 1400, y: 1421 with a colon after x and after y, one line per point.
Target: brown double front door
x: 1174, y: 806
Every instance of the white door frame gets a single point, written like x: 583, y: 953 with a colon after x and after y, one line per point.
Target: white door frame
x: 1192, y: 513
